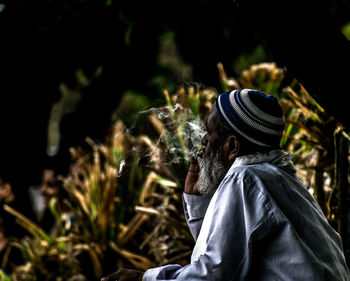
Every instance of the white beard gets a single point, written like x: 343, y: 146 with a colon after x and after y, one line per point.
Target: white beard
x: 212, y: 171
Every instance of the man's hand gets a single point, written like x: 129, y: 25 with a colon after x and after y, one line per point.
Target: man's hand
x: 124, y: 275
x: 192, y: 178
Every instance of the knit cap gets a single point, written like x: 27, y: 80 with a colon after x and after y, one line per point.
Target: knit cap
x: 253, y: 115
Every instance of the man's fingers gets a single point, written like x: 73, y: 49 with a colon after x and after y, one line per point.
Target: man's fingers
x: 110, y: 277
x: 192, y: 178
x: 200, y: 153
x: 107, y: 278
x: 124, y: 274
x: 194, y: 169
x: 193, y: 158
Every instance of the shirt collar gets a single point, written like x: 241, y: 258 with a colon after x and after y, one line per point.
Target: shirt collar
x: 276, y: 157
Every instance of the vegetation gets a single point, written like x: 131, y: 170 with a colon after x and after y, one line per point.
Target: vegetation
x: 122, y: 198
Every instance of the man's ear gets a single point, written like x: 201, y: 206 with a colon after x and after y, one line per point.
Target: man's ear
x: 232, y: 148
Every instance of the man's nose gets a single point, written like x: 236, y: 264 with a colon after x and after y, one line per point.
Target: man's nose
x: 205, y: 139
x: 201, y: 152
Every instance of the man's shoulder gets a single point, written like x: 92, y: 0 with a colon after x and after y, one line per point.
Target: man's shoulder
x: 250, y: 172
x: 254, y: 177
x: 240, y: 177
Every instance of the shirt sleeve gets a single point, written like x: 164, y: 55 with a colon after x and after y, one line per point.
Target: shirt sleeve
x: 239, y: 214
x: 195, y: 207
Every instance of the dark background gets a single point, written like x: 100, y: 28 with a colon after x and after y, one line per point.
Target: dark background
x: 43, y: 43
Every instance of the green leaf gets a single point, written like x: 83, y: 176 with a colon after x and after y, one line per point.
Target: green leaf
x: 165, y: 182
x: 194, y: 102
x: 346, y: 30
x: 53, y: 209
x: 3, y: 276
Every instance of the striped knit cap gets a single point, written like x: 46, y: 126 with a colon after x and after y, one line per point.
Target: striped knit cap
x: 253, y: 115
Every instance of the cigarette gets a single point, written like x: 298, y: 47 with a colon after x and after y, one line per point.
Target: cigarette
x: 193, y: 157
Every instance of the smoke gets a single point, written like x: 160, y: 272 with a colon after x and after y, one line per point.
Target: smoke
x: 195, y: 131
x: 180, y: 132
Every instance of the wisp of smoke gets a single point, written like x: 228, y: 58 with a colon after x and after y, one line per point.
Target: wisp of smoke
x: 195, y: 131
x: 181, y: 131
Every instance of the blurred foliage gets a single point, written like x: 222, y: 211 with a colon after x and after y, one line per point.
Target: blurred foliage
x: 123, y: 205
x: 97, y: 219
x: 245, y: 60
x: 346, y: 30
x: 129, y: 107
x: 47, y: 258
x: 3, y: 276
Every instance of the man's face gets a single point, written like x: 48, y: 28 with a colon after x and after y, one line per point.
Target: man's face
x: 212, y: 165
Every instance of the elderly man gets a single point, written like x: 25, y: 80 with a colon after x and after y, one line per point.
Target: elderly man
x: 250, y: 215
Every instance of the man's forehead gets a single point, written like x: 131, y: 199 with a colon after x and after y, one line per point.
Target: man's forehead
x: 213, y: 113
x: 212, y: 118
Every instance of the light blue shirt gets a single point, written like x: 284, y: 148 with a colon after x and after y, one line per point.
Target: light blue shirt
x: 261, y: 224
